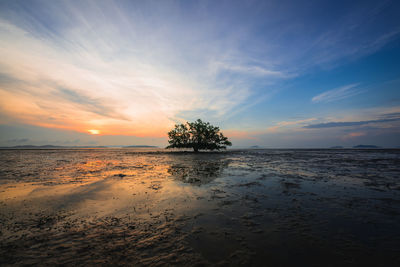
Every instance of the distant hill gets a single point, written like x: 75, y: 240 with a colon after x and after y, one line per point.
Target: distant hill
x: 31, y: 147
x: 47, y: 147
x: 336, y: 147
x: 70, y: 147
x: 366, y: 146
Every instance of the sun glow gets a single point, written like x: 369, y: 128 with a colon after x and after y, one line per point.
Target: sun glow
x: 94, y: 131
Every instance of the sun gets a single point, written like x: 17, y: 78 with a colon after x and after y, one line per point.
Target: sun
x: 94, y: 131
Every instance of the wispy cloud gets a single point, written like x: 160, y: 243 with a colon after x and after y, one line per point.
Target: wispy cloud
x: 381, y: 40
x: 348, y: 123
x: 250, y: 70
x: 78, y: 77
x: 337, y: 93
x: 392, y: 115
x: 112, y: 67
x: 353, y: 135
x: 287, y: 124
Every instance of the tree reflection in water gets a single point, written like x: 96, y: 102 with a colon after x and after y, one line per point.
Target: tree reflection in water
x: 198, y: 169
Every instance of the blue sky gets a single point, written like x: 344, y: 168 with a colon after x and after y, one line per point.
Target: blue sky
x: 269, y: 73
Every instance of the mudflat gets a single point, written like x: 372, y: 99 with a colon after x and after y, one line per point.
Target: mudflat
x: 242, y: 207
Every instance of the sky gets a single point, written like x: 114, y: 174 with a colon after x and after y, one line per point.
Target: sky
x: 274, y: 74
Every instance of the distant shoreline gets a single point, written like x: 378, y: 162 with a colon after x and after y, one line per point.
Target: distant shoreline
x: 187, y: 151
x: 72, y: 147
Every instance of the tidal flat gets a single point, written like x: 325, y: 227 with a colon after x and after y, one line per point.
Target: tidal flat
x: 338, y: 207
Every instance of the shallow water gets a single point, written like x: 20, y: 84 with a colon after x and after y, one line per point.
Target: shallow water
x: 244, y: 207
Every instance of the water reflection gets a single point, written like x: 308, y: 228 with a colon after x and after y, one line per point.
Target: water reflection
x: 198, y: 171
x: 123, y: 207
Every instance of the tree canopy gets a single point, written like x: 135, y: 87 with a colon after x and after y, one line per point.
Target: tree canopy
x: 198, y: 135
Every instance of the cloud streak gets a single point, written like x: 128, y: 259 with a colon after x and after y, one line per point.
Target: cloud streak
x: 287, y: 125
x: 250, y: 70
x: 348, y: 123
x: 77, y: 76
x: 337, y: 94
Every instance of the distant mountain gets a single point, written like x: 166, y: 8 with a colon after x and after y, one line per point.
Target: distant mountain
x: 48, y: 147
x: 32, y: 147
x: 365, y: 146
x: 255, y: 147
x: 336, y: 147
x: 69, y: 147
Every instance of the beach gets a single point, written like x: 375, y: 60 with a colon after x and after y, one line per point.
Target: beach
x: 260, y: 207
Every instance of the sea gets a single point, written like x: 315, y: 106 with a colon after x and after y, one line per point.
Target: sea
x: 151, y: 207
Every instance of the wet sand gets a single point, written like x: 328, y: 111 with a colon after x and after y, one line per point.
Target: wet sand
x: 245, y: 207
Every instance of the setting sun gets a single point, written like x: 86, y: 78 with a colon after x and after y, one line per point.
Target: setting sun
x: 94, y: 131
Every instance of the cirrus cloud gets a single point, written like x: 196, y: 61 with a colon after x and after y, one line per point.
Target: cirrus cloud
x: 337, y: 94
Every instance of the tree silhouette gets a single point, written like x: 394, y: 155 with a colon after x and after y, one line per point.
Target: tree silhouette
x: 198, y: 135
